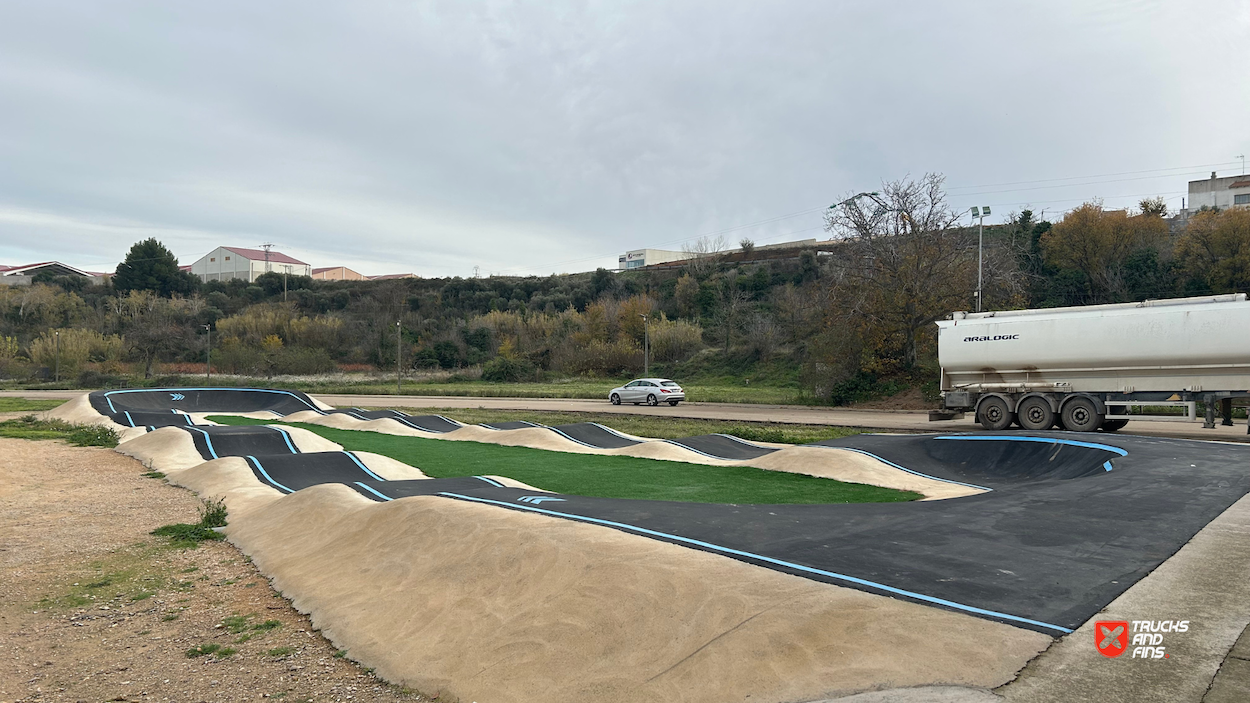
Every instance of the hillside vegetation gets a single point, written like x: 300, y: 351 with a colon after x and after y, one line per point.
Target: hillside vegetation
x: 849, y: 322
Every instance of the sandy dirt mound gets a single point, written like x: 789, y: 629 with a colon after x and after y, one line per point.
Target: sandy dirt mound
x: 77, y: 411
x: 489, y: 604
x: 388, y: 468
x: 230, y: 478
x: 164, y: 449
x: 307, y: 441
x: 853, y: 467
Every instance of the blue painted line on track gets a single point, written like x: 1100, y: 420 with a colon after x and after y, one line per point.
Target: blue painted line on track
x: 380, y: 495
x: 1046, y: 440
x: 167, y: 390
x: 363, y: 468
x: 490, y: 481
x: 1107, y: 465
x: 130, y: 419
x: 769, y: 560
x: 285, y: 435
x: 208, y: 441
x: 270, y: 479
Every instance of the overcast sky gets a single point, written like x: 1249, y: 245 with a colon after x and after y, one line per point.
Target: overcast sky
x: 545, y: 137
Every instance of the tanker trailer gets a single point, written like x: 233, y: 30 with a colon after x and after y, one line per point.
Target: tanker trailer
x: 1084, y: 368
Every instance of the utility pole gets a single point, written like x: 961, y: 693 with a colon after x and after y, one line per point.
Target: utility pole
x: 208, y: 355
x: 267, y: 247
x: 398, y: 351
x: 286, y: 271
x: 58, y: 356
x: 646, y: 346
x: 981, y: 213
x: 1243, y: 163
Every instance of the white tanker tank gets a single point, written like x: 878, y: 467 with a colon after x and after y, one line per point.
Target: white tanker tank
x: 1083, y: 368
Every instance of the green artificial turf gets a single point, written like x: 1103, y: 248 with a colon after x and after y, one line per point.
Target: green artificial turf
x: 602, y: 476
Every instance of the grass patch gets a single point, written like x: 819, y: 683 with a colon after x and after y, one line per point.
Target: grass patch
x: 604, y: 476
x: 203, y: 649
x: 25, y: 405
x: 130, y: 574
x: 30, y: 427
x: 189, y: 536
x: 153, y: 474
x: 280, y: 651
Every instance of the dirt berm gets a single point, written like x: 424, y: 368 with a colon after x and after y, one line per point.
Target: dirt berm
x: 493, y: 605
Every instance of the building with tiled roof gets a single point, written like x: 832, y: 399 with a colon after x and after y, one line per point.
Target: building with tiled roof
x: 25, y: 274
x: 226, y: 263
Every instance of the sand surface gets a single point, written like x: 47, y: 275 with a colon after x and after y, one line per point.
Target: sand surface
x: 495, y: 605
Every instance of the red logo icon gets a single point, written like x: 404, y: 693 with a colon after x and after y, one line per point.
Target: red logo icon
x: 1111, y: 637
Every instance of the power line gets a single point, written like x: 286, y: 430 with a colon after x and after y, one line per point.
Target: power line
x: 1099, y: 175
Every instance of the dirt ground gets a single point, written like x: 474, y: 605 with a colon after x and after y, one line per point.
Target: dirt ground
x: 93, y: 608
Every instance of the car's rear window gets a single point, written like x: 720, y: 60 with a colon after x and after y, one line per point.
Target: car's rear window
x: 668, y: 383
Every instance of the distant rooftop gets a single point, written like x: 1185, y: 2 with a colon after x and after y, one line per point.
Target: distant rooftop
x: 275, y: 257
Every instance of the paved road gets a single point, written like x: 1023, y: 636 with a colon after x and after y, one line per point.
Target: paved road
x: 891, y: 420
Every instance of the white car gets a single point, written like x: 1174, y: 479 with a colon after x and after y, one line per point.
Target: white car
x: 651, y: 391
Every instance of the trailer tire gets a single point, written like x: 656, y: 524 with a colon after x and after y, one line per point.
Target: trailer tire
x: 1081, y: 414
x: 993, y: 414
x: 1113, y: 425
x: 1034, y: 413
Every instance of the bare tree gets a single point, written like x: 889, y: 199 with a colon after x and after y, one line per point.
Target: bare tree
x: 904, y: 263
x: 702, y: 253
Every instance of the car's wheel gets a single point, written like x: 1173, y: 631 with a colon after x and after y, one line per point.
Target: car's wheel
x: 993, y: 414
x: 1113, y: 425
x: 1034, y: 413
x: 1081, y: 415
x: 652, y: 401
x: 616, y: 399
x: 674, y: 402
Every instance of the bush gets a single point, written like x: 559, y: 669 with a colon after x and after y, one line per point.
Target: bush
x: 504, y: 370
x: 212, y: 514
x: 675, y: 340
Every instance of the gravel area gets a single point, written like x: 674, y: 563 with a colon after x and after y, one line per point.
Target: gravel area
x: 93, y: 608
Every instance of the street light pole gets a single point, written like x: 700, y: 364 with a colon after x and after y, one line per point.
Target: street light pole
x: 980, y: 213
x: 208, y: 355
x: 646, y: 345
x: 58, y: 356
x: 398, y: 351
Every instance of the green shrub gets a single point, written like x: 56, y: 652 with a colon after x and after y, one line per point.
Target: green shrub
x: 504, y: 370
x: 183, y: 535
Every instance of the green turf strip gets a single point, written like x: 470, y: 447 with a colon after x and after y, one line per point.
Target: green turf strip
x: 602, y: 476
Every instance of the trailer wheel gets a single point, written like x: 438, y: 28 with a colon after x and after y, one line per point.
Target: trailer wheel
x: 1034, y: 413
x: 1081, y: 415
x: 993, y: 414
x: 1113, y: 425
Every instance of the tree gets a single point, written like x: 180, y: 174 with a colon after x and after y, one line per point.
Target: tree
x: 1097, y: 243
x: 1154, y: 207
x: 903, y: 263
x: 748, y: 246
x: 150, y: 266
x: 1215, y: 250
x: 152, y: 326
x: 686, y: 295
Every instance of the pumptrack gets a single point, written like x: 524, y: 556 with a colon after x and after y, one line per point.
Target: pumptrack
x: 1068, y: 521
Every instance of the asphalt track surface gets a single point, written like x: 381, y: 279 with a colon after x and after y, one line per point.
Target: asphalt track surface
x: 1068, y: 523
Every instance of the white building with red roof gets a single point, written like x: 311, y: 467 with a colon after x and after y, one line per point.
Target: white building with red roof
x: 25, y: 274
x: 226, y: 263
